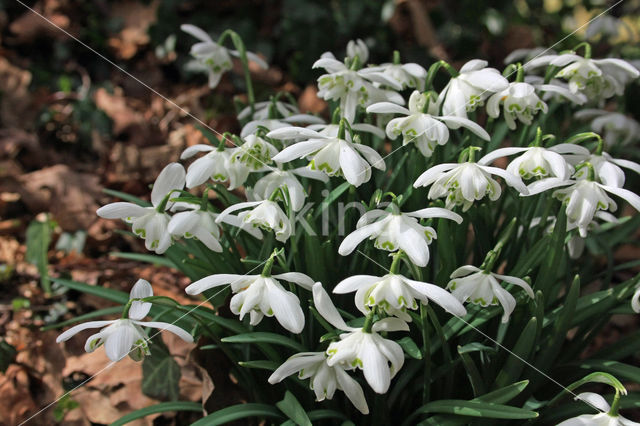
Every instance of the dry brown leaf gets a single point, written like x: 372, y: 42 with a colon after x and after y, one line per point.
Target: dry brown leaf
x: 137, y: 17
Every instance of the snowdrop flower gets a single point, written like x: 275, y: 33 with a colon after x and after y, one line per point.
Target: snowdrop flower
x: 216, y: 165
x: 263, y: 110
x: 125, y: 336
x: 583, y: 199
x: 264, y: 214
x: 350, y: 88
x: 333, y: 130
x: 196, y: 223
x: 635, y: 301
x: 151, y: 223
x: 394, y: 231
x: 395, y: 293
x: 597, y: 79
x: 538, y: 162
x: 607, y: 169
x: 324, y: 379
x: 260, y: 295
x: 358, y: 48
x: 555, y: 89
x: 272, y: 124
x: 334, y: 155
x: 424, y: 129
x: 214, y: 58
x: 361, y: 348
x: 603, y: 418
x: 615, y: 128
x: 463, y: 183
x: 482, y: 288
x: 524, y: 55
x: 470, y: 88
x: 255, y: 153
x: 267, y: 185
x: 519, y: 101
x: 404, y: 75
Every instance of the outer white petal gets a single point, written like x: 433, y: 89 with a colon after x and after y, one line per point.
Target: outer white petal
x: 545, y: 184
x: 352, y: 240
x: 583, y: 420
x: 464, y: 270
x: 299, y: 150
x: 330, y: 64
x: 352, y: 390
x: 474, y: 65
x: 375, y: 368
x: 238, y: 223
x: 464, y: 122
x: 431, y: 212
x: 194, y: 149
x: 354, y: 283
x: 140, y: 290
x: 429, y: 176
x: 635, y: 301
x: 196, y: 32
x: 293, y: 132
x: 183, y: 222
x: 294, y: 364
x: 244, y: 205
x: 501, y: 152
x: 181, y: 333
x: 516, y: 281
x: 258, y: 60
x: 387, y: 108
x: 513, y: 181
x: 438, y: 295
x: 390, y: 324
x: 594, y: 400
x: 311, y: 174
x: 302, y: 280
x: 414, y: 244
x: 627, y: 164
x: 505, y: 298
x: 170, y: 178
x: 118, y: 344
x: 371, y: 155
x: 558, y: 164
x: 327, y: 309
x: 369, y: 128
x: 121, y: 210
x: 78, y: 328
x: 212, y: 281
x: 352, y: 165
x: 286, y: 307
x: 630, y: 197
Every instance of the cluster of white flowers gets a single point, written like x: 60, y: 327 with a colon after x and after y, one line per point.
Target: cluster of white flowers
x: 270, y: 141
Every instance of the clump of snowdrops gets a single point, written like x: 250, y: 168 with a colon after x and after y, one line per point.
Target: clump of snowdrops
x: 418, y: 255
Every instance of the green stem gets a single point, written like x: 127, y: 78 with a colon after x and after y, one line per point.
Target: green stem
x: 242, y: 51
x: 615, y: 405
x: 396, y: 57
x: 266, y: 271
x: 395, y: 264
x: 520, y: 73
x: 426, y: 353
x: 587, y: 49
x: 434, y: 69
x: 368, y: 322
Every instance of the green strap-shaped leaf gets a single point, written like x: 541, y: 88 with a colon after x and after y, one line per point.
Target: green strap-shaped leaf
x: 127, y: 197
x: 477, y: 384
x: 147, y: 258
x: 38, y: 240
x: 514, y: 365
x: 292, y: 408
x: 476, y: 409
x: 163, y: 407
x: 617, y: 369
x: 262, y: 364
x: 239, y: 411
x: 81, y: 318
x: 116, y: 296
x: 333, y: 196
x: 265, y: 337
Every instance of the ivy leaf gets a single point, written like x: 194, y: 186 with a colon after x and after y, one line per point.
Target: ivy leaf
x: 160, y: 373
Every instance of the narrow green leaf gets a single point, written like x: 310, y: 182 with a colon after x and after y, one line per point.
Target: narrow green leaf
x: 477, y: 409
x: 260, y: 364
x: 116, y: 296
x: 477, y: 384
x: 163, y: 407
x: 81, y: 318
x: 505, y: 394
x: 513, y: 366
x: 410, y: 347
x: 237, y: 412
x: 265, y: 337
x: 333, y: 196
x: 38, y: 241
x: 147, y: 258
x: 618, y: 369
x: 292, y: 408
x: 127, y: 197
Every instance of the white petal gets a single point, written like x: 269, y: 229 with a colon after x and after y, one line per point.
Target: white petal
x: 511, y: 180
x: 286, y: 307
x: 594, y: 400
x: 415, y: 245
x: 196, y: 32
x: 474, y: 65
x: 352, y: 240
x: 258, y: 60
x: 387, y: 108
x: 390, y: 324
x: 464, y: 270
x: 464, y: 122
x: 181, y: 333
x: 352, y: 165
x: 429, y: 176
x: 170, y: 178
x: 294, y: 364
x: 352, y: 390
x: 375, y: 368
x: 140, y: 290
x: 625, y: 194
x: 431, y: 212
x: 78, y: 328
x: 244, y: 205
x: 627, y: 164
x: 294, y: 132
x: 545, y: 184
x: 354, y: 283
x: 371, y: 155
x: 635, y: 301
x: 302, y: 280
x: 299, y: 150
x: 502, y: 152
x: 438, y: 295
x: 327, y: 309
x: 118, y: 344
x: 212, y: 281
x: 311, y: 174
x: 505, y: 298
x: 194, y: 149
x: 369, y: 128
x: 121, y: 210
x: 516, y: 281
x: 183, y: 222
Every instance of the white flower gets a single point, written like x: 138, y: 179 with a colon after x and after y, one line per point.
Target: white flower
x: 330, y: 154
x: 196, y: 223
x: 404, y: 75
x: 358, y: 48
x: 597, y: 79
x: 260, y: 295
x: 395, y: 230
x: 583, y: 199
x: 213, y: 57
x: 463, y: 183
x: 324, y: 379
x: 555, y: 89
x: 272, y: 123
x: 379, y: 358
x: 264, y: 214
x: 519, y: 101
x: 481, y: 288
x: 470, y: 88
x: 255, y: 153
x: 351, y: 88
x: 538, y: 161
x: 603, y: 418
x: 425, y: 130
x: 262, y: 110
x: 266, y: 185
x: 216, y: 165
x: 150, y: 223
x: 607, y: 169
x: 615, y: 128
x: 525, y: 55
x: 125, y: 336
x: 635, y: 301
x: 395, y: 293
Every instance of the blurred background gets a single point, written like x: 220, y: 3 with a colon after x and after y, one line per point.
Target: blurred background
x: 72, y: 124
